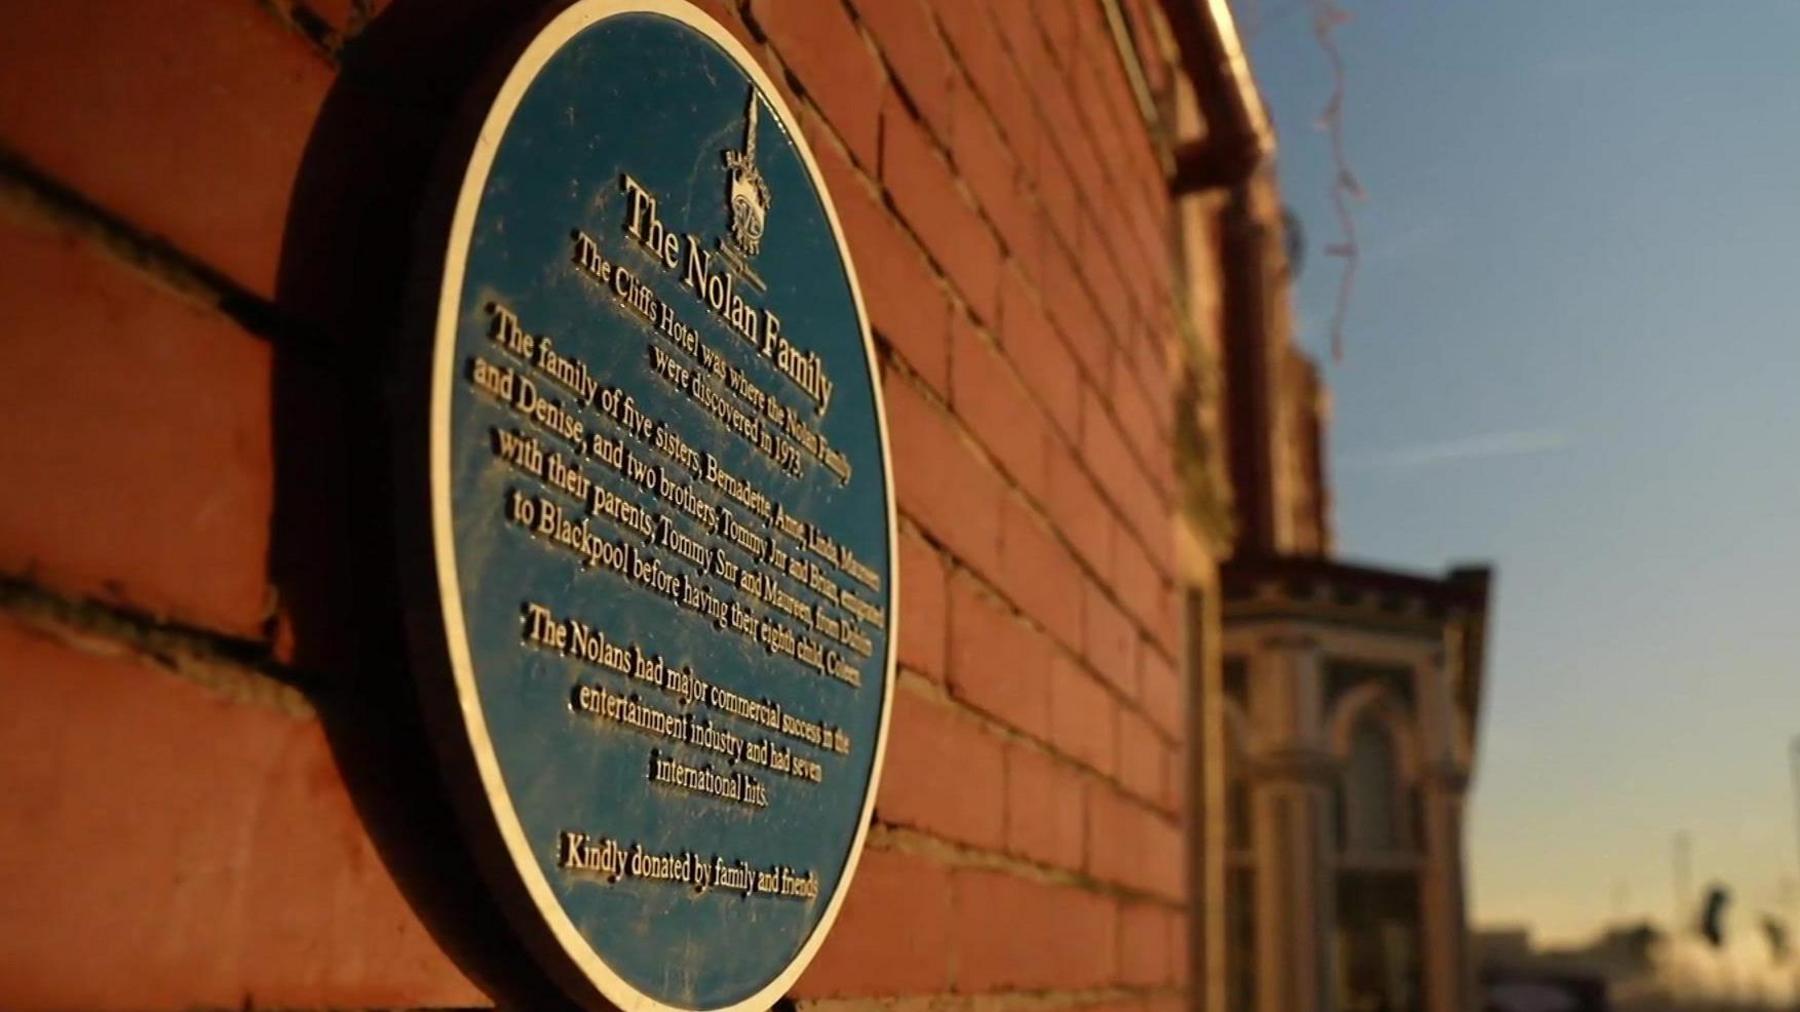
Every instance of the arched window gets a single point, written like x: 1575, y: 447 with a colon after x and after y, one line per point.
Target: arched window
x: 1375, y: 815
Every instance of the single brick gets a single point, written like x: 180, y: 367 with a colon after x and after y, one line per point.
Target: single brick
x: 1148, y: 517
x: 1145, y: 956
x: 1043, y: 808
x: 994, y: 404
x: 139, y: 436
x: 886, y: 939
x: 1039, y: 354
x: 1155, y: 363
x: 1164, y: 869
x: 822, y: 47
x: 1139, y: 582
x: 1180, y: 961
x: 997, y: 663
x: 1060, y: 206
x: 1143, y: 757
x: 944, y: 774
x: 1172, y: 617
x: 1074, y: 314
x: 1113, y: 848
x: 940, y: 480
x: 1038, y: 573
x: 1155, y: 237
x: 1109, y: 642
x: 1161, y: 691
x: 187, y: 118
x: 1084, y: 718
x: 923, y: 623
x: 1133, y: 846
x: 1118, y: 471
x: 1175, y: 779
x: 1146, y: 255
x: 1078, y: 144
x: 1140, y: 416
x: 1141, y: 240
x: 1078, y: 511
x: 1100, y: 262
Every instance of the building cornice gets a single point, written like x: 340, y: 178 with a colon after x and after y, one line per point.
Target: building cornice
x: 1237, y: 138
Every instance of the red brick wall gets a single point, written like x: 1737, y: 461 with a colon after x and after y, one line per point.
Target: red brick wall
x: 204, y: 212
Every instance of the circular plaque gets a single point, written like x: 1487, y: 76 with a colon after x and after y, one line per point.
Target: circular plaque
x: 660, y: 654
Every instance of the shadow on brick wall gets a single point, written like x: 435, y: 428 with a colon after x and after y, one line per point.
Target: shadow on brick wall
x: 349, y: 402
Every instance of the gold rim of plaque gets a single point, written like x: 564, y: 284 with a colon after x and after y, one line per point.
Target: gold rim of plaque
x: 524, y: 873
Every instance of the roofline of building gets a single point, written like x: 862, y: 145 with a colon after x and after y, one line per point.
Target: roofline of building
x: 1462, y: 594
x: 1238, y: 137
x: 1464, y: 586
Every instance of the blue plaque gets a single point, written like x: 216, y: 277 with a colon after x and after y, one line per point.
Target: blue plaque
x: 659, y: 656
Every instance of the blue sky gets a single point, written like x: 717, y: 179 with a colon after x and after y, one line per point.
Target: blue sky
x: 1574, y: 350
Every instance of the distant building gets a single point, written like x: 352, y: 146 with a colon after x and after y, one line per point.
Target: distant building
x: 1505, y: 944
x: 1348, y: 703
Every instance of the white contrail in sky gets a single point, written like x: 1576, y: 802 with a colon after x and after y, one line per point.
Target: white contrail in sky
x: 1493, y: 444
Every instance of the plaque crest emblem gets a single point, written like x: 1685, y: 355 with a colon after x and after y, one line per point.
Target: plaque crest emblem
x: 747, y: 193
